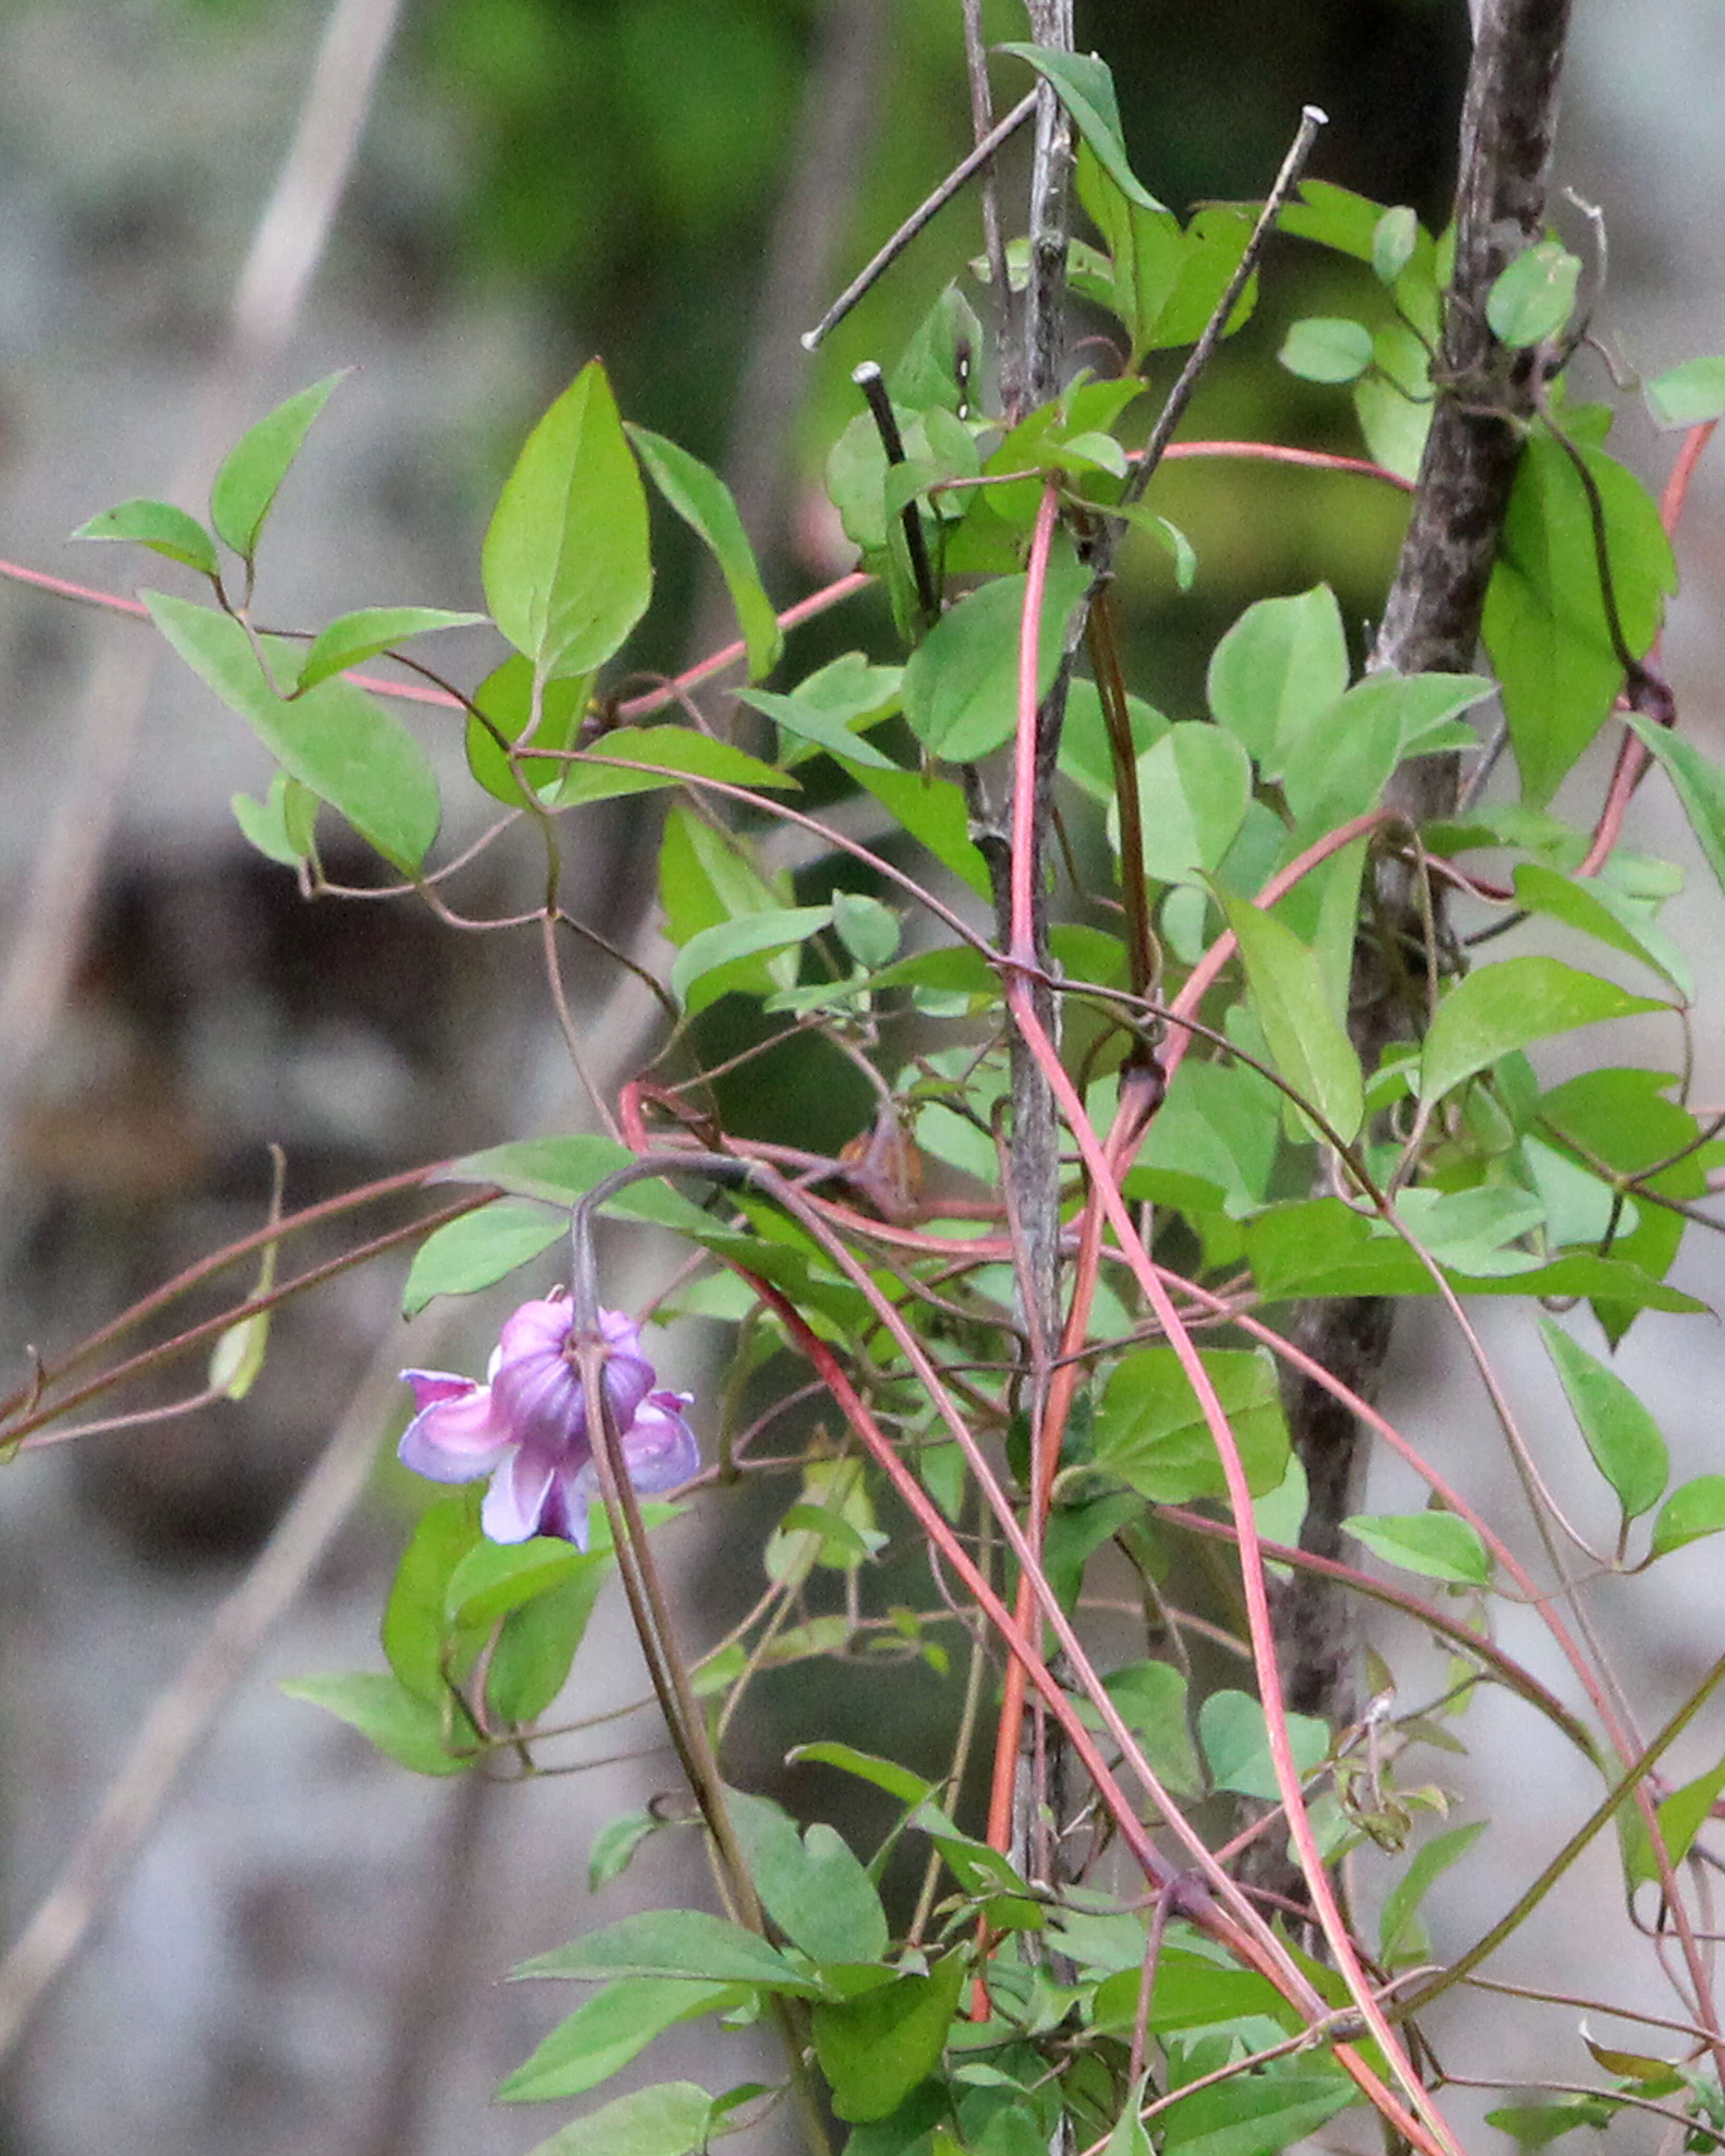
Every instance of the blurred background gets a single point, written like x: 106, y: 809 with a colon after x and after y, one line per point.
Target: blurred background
x: 205, y: 204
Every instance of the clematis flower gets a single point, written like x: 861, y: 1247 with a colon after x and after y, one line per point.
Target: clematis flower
x: 526, y: 1426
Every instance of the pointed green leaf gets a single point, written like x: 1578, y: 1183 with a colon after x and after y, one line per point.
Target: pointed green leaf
x: 567, y: 566
x: 351, y: 639
x: 1195, y: 785
x: 1311, y: 1048
x: 1691, y: 395
x: 1084, y: 85
x: 707, y: 506
x: 1598, y: 908
x: 1699, y: 785
x: 605, y: 2032
x: 506, y: 699
x: 1506, y: 1006
x: 1151, y: 1433
x: 1533, y: 299
x: 560, y: 1170
x: 1282, y: 662
x: 334, y: 740
x: 1624, y: 1439
x: 672, y: 2119
x: 1326, y: 348
x: 538, y: 1646
x: 827, y: 708
x: 403, y: 1728
x: 246, y: 486
x: 283, y: 824
x: 1236, y: 1744
x: 932, y: 811
x: 1401, y: 1906
x: 495, y: 1578
x: 675, y: 752
x: 415, y: 1631
x: 1437, y: 1544
x: 961, y: 684
x: 811, y: 1885
x: 478, y: 1250
x: 680, y: 1942
x: 1544, y: 622
x: 875, y: 2049
x: 884, y: 1774
x: 1255, y: 2114
x: 161, y: 527
x: 695, y: 972
x: 1694, y: 1508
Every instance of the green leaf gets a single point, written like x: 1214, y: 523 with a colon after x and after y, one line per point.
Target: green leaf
x: 1624, y: 1439
x: 1236, y: 1745
x: 1693, y: 1509
x: 1084, y: 85
x: 679, y: 752
x: 1533, y: 299
x: 932, y: 811
x: 560, y: 1170
x: 1699, y: 785
x: 886, y: 1774
x: 1686, y: 396
x: 283, y: 825
x: 697, y: 973
x: 334, y: 740
x: 875, y: 2049
x: 1151, y: 1433
x: 869, y: 930
x: 605, y: 2032
x: 1544, y: 622
x: 1597, y: 908
x: 1326, y: 348
x: 1195, y: 784
x: 1191, y: 1991
x: 826, y: 708
x: 705, y: 504
x: 251, y: 474
x: 478, y: 1250
x: 162, y: 527
x: 1320, y: 1246
x: 415, y: 1630
x: 351, y: 639
x: 1164, y: 284
x: 1504, y: 1007
x: 1436, y: 1544
x: 505, y: 698
x: 1312, y: 1049
x: 1397, y: 1925
x: 1394, y: 238
x: 567, y: 566
x: 811, y: 1885
x: 680, y: 1942
x: 495, y: 1578
x: 1152, y: 1702
x: 1336, y: 760
x: 961, y: 686
x: 1681, y: 1816
x: 404, y: 1728
x: 1535, y: 2124
x: 671, y: 2119
x: 1284, y: 660
x: 1254, y: 2114
x: 615, y: 1844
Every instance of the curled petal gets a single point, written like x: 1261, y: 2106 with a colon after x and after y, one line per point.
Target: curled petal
x: 660, y: 1447
x: 516, y: 1503
x: 453, y: 1438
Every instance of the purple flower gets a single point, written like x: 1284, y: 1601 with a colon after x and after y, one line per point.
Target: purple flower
x: 526, y: 1426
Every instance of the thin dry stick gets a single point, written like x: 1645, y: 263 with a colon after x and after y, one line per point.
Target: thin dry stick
x: 289, y: 243
x: 185, y: 1714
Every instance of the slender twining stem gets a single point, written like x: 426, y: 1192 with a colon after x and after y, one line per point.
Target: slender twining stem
x: 919, y: 217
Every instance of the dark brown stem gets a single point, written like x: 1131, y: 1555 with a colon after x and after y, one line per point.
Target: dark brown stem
x: 1431, y: 622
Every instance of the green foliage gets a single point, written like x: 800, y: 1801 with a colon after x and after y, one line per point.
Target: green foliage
x: 1362, y: 1109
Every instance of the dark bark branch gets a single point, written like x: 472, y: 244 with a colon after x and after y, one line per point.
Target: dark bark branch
x: 1431, y: 622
